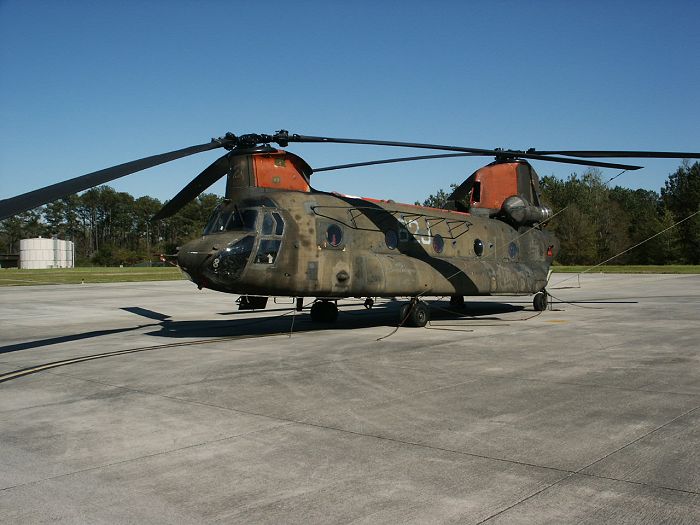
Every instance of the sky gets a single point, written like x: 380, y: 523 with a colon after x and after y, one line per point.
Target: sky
x: 85, y: 85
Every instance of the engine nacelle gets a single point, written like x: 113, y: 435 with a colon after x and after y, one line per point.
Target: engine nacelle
x: 507, y: 189
x: 519, y: 211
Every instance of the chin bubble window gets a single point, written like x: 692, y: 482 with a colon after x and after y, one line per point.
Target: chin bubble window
x: 334, y: 235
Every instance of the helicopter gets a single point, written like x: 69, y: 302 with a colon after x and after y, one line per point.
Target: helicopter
x: 274, y: 235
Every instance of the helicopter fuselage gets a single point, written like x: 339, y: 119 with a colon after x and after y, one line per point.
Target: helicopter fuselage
x: 311, y: 243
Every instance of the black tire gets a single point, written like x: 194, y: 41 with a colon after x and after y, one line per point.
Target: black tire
x: 324, y: 312
x: 539, y: 302
x: 415, y: 314
x: 331, y: 312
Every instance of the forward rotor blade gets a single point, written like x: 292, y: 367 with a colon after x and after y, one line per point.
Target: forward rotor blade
x: 397, y: 159
x: 201, y: 182
x: 335, y: 140
x: 504, y: 154
x: 32, y: 199
x: 623, y: 154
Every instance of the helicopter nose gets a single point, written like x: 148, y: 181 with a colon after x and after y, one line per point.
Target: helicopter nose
x: 192, y: 261
x: 221, y: 262
x: 192, y: 257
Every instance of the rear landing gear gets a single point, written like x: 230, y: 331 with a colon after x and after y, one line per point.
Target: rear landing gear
x: 324, y: 311
x: 416, y: 314
x: 540, y: 301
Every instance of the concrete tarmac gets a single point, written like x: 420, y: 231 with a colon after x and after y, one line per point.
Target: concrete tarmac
x: 585, y: 413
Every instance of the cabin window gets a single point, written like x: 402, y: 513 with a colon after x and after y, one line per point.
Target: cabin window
x: 478, y: 247
x: 334, y: 235
x: 438, y: 243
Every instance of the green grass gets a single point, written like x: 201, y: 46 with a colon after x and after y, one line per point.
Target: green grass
x: 671, y: 268
x: 15, y: 277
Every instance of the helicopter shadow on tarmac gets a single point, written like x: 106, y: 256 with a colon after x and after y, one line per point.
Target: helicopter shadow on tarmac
x: 286, y: 321
x: 274, y: 322
x: 16, y: 347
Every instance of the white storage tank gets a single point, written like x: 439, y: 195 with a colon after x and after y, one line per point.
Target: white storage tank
x: 46, y: 253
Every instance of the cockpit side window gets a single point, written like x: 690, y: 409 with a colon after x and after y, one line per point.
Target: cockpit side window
x: 279, y: 228
x: 271, y: 238
x: 212, y: 220
x: 267, y: 252
x: 268, y: 224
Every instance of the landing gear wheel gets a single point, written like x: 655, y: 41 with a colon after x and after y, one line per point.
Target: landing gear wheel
x: 415, y: 313
x: 540, y: 301
x: 369, y: 303
x: 324, y: 312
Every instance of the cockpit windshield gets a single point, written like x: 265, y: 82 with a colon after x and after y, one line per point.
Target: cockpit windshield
x: 242, y: 220
x: 236, y: 220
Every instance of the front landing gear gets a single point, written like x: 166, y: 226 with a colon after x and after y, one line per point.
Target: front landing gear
x: 540, y: 301
x: 324, y: 311
x: 416, y: 314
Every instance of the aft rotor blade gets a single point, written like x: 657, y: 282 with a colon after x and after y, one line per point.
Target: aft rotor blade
x: 580, y: 162
x: 32, y: 199
x: 503, y: 154
x: 201, y: 182
x: 397, y: 159
x: 447, y: 155
x: 623, y: 154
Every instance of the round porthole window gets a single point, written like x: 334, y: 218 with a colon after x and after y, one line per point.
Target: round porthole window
x: 391, y: 239
x: 438, y: 243
x: 334, y: 235
x: 478, y: 247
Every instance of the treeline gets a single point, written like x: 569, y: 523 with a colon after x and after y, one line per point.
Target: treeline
x: 109, y: 228
x: 595, y: 222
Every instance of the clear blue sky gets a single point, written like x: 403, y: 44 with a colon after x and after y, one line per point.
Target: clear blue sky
x: 86, y: 85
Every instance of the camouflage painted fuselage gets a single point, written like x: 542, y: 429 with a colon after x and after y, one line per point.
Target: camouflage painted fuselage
x: 316, y: 244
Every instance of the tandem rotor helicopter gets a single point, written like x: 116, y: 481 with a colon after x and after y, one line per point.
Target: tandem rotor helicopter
x: 274, y: 235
